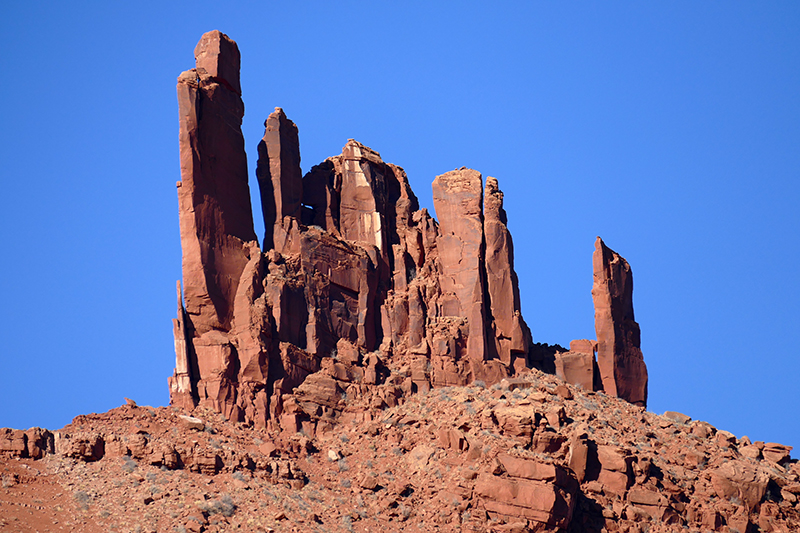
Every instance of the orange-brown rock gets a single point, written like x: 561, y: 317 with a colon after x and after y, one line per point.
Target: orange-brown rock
x: 578, y: 365
x: 619, y: 356
x: 214, y: 198
x: 279, y: 178
x: 511, y: 334
x: 353, y: 279
x: 540, y: 492
x: 458, y: 199
x: 216, y: 224
x: 458, y: 456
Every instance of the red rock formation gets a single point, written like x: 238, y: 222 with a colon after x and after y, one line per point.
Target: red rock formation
x: 577, y: 366
x: 512, y: 336
x: 214, y: 198
x: 279, y: 178
x: 458, y: 199
x: 354, y: 276
x: 619, y: 356
x: 215, y: 219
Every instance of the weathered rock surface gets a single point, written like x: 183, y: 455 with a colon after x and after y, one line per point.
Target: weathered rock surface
x: 348, y: 257
x: 216, y: 223
x: 619, y: 356
x: 458, y: 199
x: 511, y: 335
x: 578, y: 365
x: 369, y: 369
x: 279, y: 178
x: 530, y: 453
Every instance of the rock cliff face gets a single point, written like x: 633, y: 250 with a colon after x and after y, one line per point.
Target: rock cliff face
x: 353, y: 278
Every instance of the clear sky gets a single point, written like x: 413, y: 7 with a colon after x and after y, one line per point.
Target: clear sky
x: 671, y: 129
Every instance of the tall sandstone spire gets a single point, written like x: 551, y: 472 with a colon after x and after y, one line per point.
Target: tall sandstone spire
x: 619, y: 356
x: 216, y: 221
x: 511, y: 334
x: 279, y: 178
x: 354, y: 279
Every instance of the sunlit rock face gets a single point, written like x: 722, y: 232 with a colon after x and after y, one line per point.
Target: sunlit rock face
x: 352, y: 277
x: 619, y: 356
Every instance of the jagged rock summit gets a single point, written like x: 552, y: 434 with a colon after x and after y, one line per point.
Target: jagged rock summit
x: 368, y: 368
x: 353, y: 276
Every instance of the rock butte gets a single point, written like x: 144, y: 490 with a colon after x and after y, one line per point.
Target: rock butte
x: 354, y: 277
x: 315, y: 371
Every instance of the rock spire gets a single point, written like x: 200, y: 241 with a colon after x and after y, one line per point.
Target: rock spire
x: 619, y: 356
x: 352, y: 279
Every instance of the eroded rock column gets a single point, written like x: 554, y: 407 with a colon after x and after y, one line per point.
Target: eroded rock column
x: 512, y: 335
x: 279, y: 178
x: 619, y: 356
x: 458, y: 200
x: 216, y: 220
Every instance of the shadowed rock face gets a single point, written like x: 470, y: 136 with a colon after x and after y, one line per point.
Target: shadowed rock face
x: 619, y: 356
x: 279, y: 178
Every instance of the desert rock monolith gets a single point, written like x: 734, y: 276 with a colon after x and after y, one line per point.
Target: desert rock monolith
x: 619, y: 355
x: 215, y: 218
x: 353, y: 279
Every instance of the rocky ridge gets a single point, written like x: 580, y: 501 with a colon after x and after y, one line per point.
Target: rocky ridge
x: 369, y: 367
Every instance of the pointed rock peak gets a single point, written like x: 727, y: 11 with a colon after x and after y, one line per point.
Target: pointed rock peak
x: 619, y: 355
x: 217, y: 57
x: 493, y: 201
x: 278, y: 114
x: 279, y: 176
x: 355, y: 150
x: 599, y: 244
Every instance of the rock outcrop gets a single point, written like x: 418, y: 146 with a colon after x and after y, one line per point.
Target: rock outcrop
x: 216, y: 224
x: 619, y: 356
x: 279, y: 178
x: 511, y: 334
x: 527, y: 454
x: 300, y: 362
x: 353, y: 276
x: 350, y: 264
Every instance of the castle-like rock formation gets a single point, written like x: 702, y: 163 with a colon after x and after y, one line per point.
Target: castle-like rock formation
x: 355, y: 285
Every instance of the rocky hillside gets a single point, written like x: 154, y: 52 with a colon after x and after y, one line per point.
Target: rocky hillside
x: 367, y: 367
x: 527, y: 454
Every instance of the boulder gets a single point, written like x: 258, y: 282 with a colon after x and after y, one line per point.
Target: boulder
x: 577, y: 366
x: 531, y: 490
x: 737, y: 479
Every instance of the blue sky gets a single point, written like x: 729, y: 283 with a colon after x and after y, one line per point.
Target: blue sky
x: 672, y: 130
